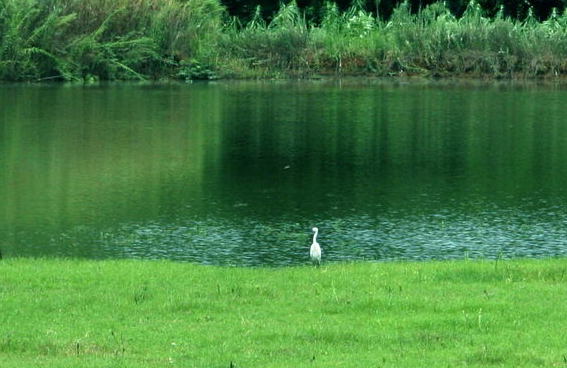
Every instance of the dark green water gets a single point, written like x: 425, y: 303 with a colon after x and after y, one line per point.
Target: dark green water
x: 239, y: 173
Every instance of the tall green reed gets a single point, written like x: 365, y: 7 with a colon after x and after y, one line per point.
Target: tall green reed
x: 434, y: 41
x: 280, y: 45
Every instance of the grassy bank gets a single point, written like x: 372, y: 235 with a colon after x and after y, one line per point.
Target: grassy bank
x: 89, y: 40
x: 58, y: 313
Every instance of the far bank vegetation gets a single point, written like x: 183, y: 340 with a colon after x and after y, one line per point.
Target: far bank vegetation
x: 91, y: 40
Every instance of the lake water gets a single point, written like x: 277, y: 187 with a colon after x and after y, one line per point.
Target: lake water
x: 238, y: 173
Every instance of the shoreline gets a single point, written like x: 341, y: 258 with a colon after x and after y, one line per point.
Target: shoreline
x: 327, y: 79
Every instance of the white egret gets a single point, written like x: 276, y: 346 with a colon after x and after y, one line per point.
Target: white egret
x: 315, y: 251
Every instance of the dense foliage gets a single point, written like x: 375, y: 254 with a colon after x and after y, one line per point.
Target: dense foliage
x: 107, y: 39
x: 88, y: 40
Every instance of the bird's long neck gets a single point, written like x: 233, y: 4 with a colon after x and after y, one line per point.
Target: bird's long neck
x: 315, y: 236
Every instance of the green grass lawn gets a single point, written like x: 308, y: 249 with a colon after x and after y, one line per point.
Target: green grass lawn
x: 74, y: 313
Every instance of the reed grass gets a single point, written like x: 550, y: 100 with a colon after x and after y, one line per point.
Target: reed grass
x: 138, y: 39
x: 434, y: 42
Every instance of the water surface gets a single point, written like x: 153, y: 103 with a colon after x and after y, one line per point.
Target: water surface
x: 239, y: 173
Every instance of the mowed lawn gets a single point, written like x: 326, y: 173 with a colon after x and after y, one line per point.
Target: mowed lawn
x: 79, y: 313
